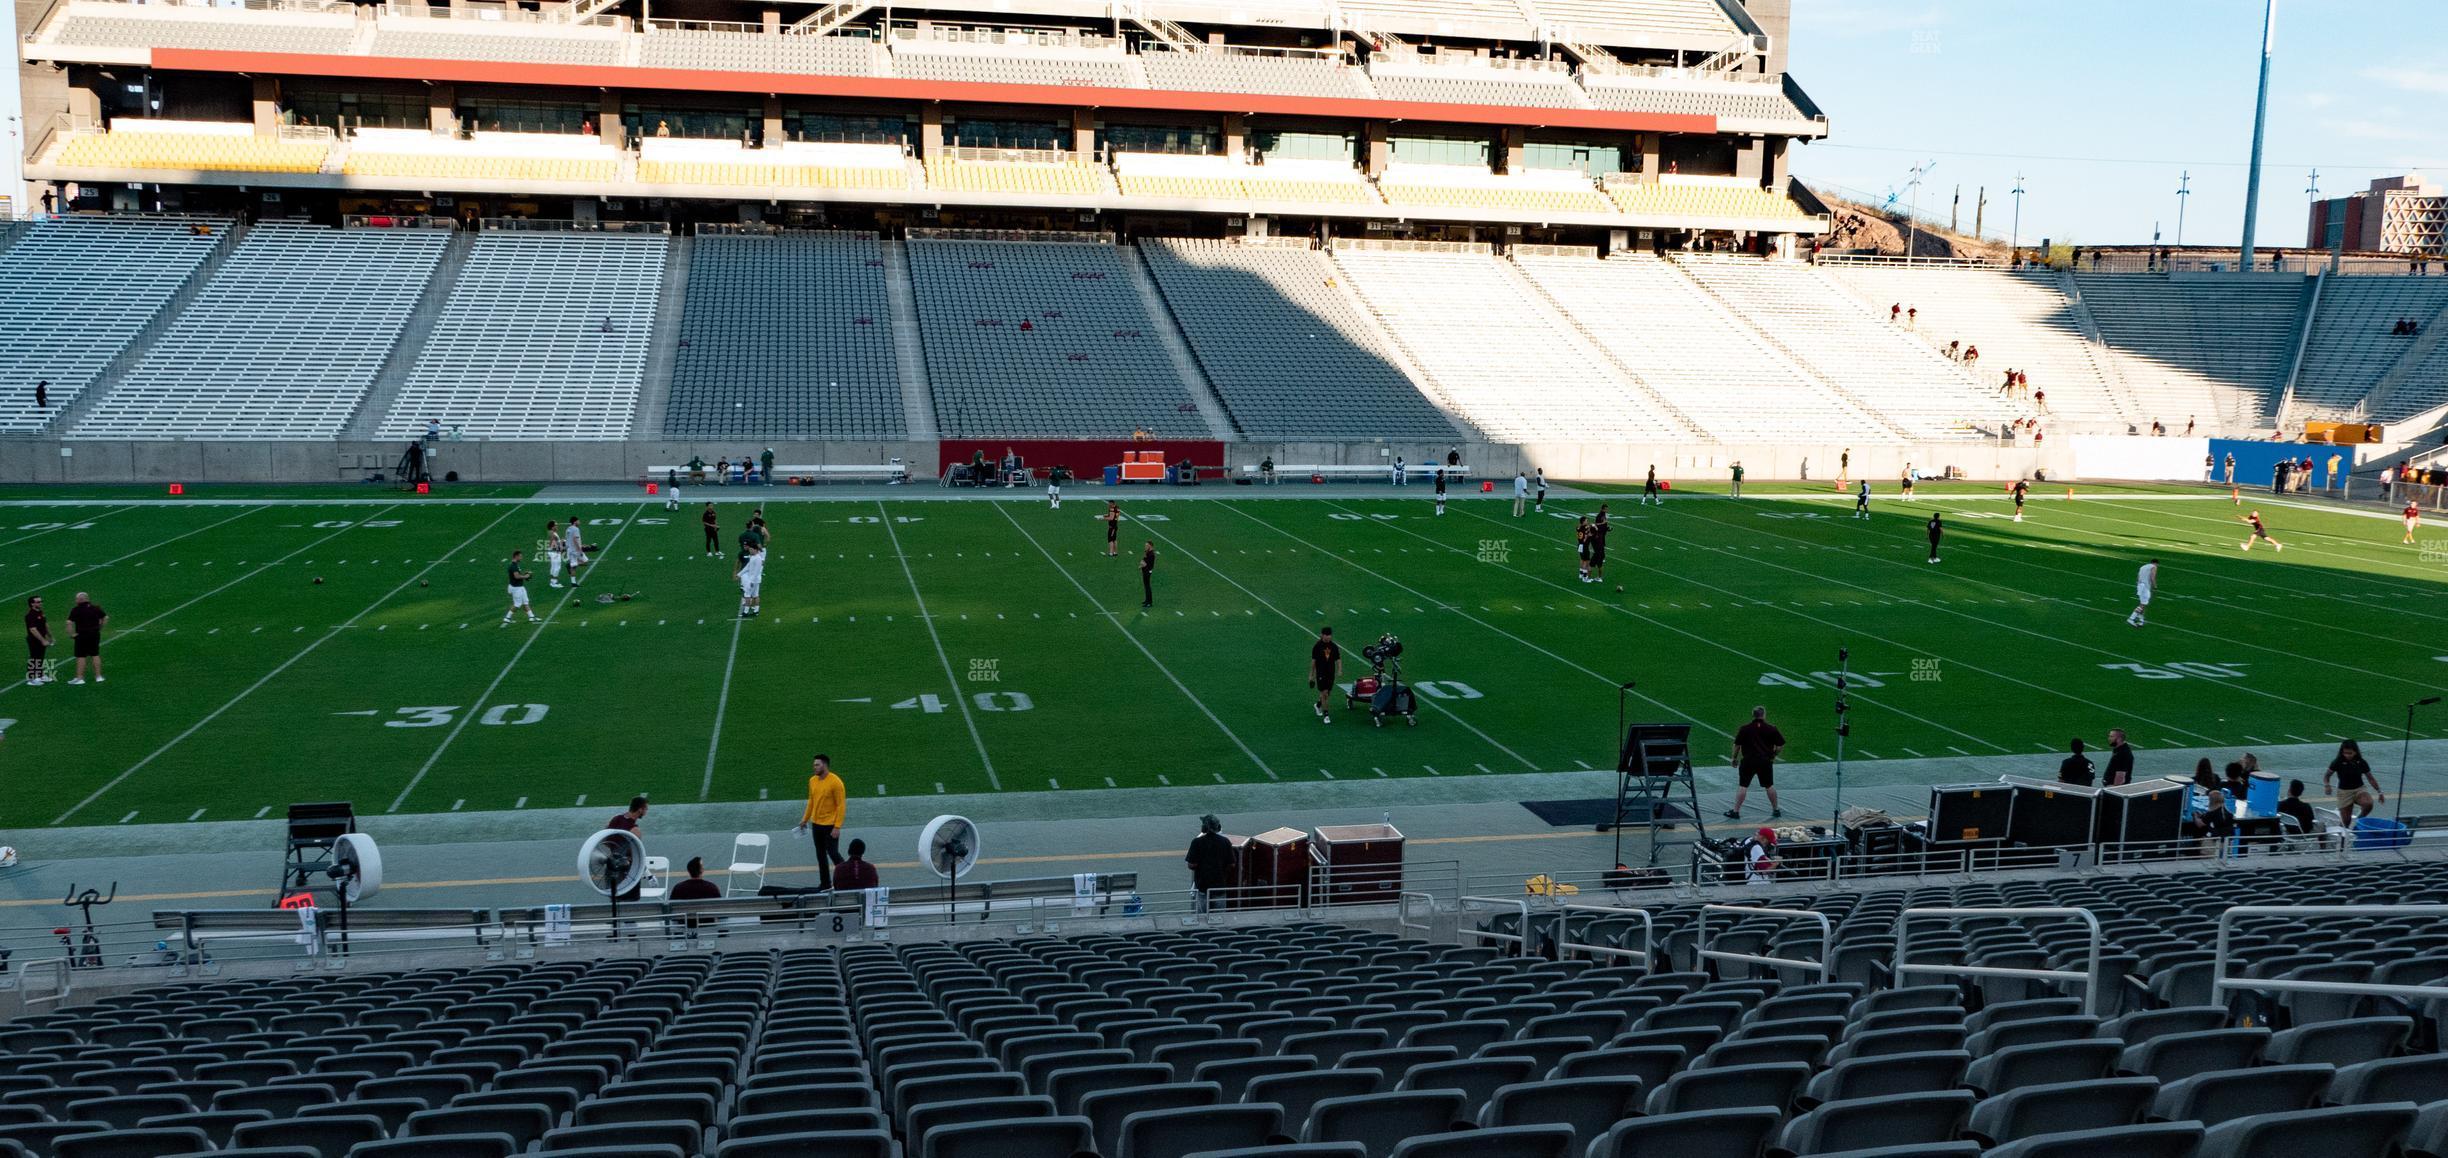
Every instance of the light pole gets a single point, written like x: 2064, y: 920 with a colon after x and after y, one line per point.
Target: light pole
x: 1912, y: 218
x: 2252, y: 173
x: 2014, y: 244
x: 2405, y: 752
x: 2184, y: 193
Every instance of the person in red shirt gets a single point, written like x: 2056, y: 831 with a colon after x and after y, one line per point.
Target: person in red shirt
x: 696, y: 887
x: 854, y: 873
x: 2413, y: 517
x: 2260, y: 534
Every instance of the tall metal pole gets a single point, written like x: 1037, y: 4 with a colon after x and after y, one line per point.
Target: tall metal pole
x: 2015, y: 243
x: 2252, y: 177
x: 2405, y: 753
x: 2184, y: 193
x: 1912, y: 219
x: 1844, y: 727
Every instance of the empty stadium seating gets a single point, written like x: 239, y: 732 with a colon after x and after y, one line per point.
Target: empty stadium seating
x: 1043, y: 339
x: 188, y: 26
x: 1015, y: 61
x: 1719, y: 372
x: 544, y: 336
x: 1749, y: 99
x: 1448, y: 308
x: 2424, y: 385
x: 787, y: 165
x: 1877, y: 365
x: 1287, y: 349
x: 1317, y: 76
x: 2209, y: 345
x: 1704, y: 198
x: 1231, y: 180
x: 264, y: 351
x: 1474, y: 82
x: 786, y: 336
x: 482, y: 156
x: 2019, y: 320
x: 1471, y: 187
x: 746, y: 51
x: 75, y: 291
x: 2352, y: 347
x: 1023, y: 174
x: 1639, y: 19
x: 410, y: 39
x: 195, y: 147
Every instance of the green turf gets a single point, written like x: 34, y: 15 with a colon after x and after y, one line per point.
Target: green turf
x: 238, y: 685
x: 189, y: 492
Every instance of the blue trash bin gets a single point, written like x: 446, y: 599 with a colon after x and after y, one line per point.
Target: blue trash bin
x: 2262, y: 796
x: 2374, y: 834
x: 1113, y: 476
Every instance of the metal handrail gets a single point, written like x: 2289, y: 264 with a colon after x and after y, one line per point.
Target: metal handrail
x: 67, y: 980
x: 2089, y: 977
x: 2220, y: 981
x: 1520, y: 941
x: 1648, y: 950
x: 1827, y: 936
x: 1402, y: 911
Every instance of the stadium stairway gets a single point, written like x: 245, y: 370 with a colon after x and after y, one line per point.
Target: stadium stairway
x: 2422, y: 352
x: 909, y: 347
x: 1169, y: 335
x: 362, y: 427
x: 1631, y: 377
x: 654, y: 392
x: 133, y: 354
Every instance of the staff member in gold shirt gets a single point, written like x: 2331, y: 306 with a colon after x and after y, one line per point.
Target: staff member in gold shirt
x: 826, y: 803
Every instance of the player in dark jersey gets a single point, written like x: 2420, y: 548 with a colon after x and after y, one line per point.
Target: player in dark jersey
x: 1937, y: 531
x: 1325, y: 667
x: 1581, y: 544
x: 1147, y: 574
x: 2021, y: 489
x: 518, y: 592
x: 713, y: 530
x: 1649, y: 488
x: 1599, y: 527
x: 1861, y: 500
x: 1113, y: 527
x: 2259, y: 534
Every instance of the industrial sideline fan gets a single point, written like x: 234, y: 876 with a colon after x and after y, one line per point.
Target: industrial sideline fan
x: 356, y: 873
x: 949, y: 846
x: 613, y: 862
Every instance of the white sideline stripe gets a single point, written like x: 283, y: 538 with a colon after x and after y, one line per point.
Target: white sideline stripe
x: 134, y: 553
x: 1169, y: 675
x: 722, y: 703
x: 286, y: 664
x: 885, y: 517
x: 534, y: 634
x: 1304, y: 629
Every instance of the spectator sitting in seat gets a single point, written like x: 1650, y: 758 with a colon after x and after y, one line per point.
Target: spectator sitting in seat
x: 2301, y: 811
x: 854, y: 873
x: 696, y: 887
x: 2213, y: 825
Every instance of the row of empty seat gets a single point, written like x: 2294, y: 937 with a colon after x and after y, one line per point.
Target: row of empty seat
x: 75, y: 291
x: 2212, y: 345
x: 786, y: 336
x: 2019, y: 320
x: 2353, y: 344
x: 196, y: 152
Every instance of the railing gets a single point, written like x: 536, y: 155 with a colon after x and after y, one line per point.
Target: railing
x: 2089, y: 977
x: 1520, y: 940
x: 1402, y: 912
x: 562, y: 225
x: 1827, y: 936
x: 1565, y: 945
x: 1015, y: 156
x: 2220, y: 982
x: 63, y: 982
x: 389, y: 221
x: 1029, y: 235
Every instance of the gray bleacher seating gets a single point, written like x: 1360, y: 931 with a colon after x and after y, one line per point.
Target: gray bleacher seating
x: 1257, y: 75
x: 786, y: 336
x: 913, y: 61
x: 1288, y: 351
x: 1728, y: 100
x: 2352, y: 345
x: 74, y: 291
x: 544, y: 336
x: 508, y: 46
x: 282, y: 342
x: 1043, y: 339
x: 211, y: 30
x: 722, y: 51
x: 2214, y: 346
x: 1479, y: 86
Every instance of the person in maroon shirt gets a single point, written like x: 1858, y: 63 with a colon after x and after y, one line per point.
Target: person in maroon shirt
x: 696, y: 887
x: 855, y: 873
x: 38, y: 639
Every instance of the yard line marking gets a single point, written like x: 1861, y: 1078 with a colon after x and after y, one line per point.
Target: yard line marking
x: 1326, y: 774
x: 134, y: 553
x: 1957, y: 751
x: 261, y: 812
x: 959, y: 700
x: 2255, y: 740
x: 522, y: 803
x: 1586, y: 764
x: 268, y: 677
x: 1908, y: 750
x: 194, y: 816
x: 64, y: 526
x: 124, y: 819
x: 478, y: 707
x: 581, y: 801
x: 1169, y: 675
x: 722, y: 704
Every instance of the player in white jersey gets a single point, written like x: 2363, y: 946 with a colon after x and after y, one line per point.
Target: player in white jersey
x: 751, y: 576
x: 553, y: 555
x: 573, y: 548
x: 2146, y: 584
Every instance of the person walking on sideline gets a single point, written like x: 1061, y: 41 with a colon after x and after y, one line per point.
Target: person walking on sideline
x: 1112, y: 518
x: 1738, y: 473
x: 1756, y: 746
x: 1521, y: 494
x: 1440, y: 492
x: 1210, y: 861
x: 1937, y: 531
x: 2146, y: 584
x: 38, y: 641
x: 1147, y: 574
x: 85, y: 623
x: 1649, y: 488
x: 827, y: 803
x: 855, y: 873
x: 1538, y: 483
x: 1325, y: 670
x: 713, y: 530
x: 1861, y: 500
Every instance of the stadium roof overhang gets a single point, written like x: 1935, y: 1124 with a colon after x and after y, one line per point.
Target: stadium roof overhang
x: 930, y: 91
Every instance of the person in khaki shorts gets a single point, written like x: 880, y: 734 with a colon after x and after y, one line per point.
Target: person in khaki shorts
x: 2355, y: 784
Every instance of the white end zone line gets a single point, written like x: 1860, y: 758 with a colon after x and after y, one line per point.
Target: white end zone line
x: 285, y: 665
x: 1116, y: 620
x: 962, y: 701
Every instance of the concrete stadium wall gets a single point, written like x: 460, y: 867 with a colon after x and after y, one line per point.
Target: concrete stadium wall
x: 43, y: 460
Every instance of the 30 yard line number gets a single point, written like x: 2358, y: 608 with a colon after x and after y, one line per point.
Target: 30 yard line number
x: 2177, y: 671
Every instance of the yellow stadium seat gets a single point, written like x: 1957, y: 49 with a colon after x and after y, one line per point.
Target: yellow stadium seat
x: 198, y: 151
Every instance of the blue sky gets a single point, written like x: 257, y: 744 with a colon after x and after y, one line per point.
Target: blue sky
x: 2102, y: 105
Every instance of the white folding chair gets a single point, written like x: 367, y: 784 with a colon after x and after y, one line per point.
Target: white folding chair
x: 743, y: 847
x: 655, y: 885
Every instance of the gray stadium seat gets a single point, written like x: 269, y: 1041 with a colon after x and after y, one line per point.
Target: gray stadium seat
x: 2225, y: 1095
x: 832, y: 1143
x: 2046, y: 1064
x: 1382, y: 1121
x: 1019, y: 1138
x: 1734, y: 1133
x: 1887, y: 1120
x: 2063, y: 1107
x: 2373, y: 1129
x: 2344, y: 1042
x: 1493, y: 1142
x: 2150, y: 1140
x: 1176, y: 1133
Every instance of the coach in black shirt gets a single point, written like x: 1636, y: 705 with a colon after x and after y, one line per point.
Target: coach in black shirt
x: 2120, y: 759
x: 1756, y: 746
x: 2075, y: 769
x: 1210, y: 859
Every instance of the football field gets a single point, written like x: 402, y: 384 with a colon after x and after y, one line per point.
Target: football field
x: 965, y: 645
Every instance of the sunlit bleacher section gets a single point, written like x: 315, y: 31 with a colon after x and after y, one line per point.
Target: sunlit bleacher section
x: 1496, y: 355
x: 265, y: 351
x: 2422, y: 386
x: 1717, y: 371
x: 1043, y: 339
x: 1742, y: 98
x: 1638, y: 20
x: 2354, y: 343
x: 1286, y: 347
x: 788, y: 165
x: 1465, y: 80
x: 196, y: 146
x: 75, y: 291
x: 1716, y: 198
x: 544, y: 336
x: 1020, y: 57
x: 1229, y: 179
x: 1458, y: 17
x: 1021, y: 172
x: 143, y: 26
x: 786, y: 335
x: 473, y: 40
x: 2208, y: 347
x: 2017, y: 320
x: 1287, y: 73
x: 1879, y: 366
x: 1473, y: 187
x: 747, y: 49
x: 481, y: 156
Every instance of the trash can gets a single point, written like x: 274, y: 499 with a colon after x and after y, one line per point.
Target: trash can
x: 2262, y: 795
x: 2373, y: 834
x: 1113, y: 476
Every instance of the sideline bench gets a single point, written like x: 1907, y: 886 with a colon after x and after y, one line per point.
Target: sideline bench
x: 751, y: 474
x: 1414, y: 474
